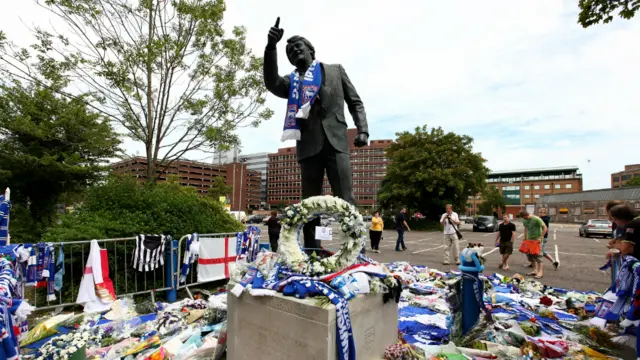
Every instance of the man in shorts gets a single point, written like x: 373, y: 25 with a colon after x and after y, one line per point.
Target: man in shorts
x: 534, y: 230
x: 504, y: 239
x: 542, y: 214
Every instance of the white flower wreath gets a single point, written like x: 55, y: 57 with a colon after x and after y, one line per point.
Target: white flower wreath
x: 295, y: 216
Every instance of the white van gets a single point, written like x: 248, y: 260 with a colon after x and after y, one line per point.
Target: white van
x: 239, y: 215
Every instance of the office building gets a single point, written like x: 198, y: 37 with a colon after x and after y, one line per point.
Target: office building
x: 368, y: 167
x: 226, y: 157
x: 521, y: 189
x: 245, y: 183
x: 620, y: 178
x: 582, y: 206
x: 258, y: 162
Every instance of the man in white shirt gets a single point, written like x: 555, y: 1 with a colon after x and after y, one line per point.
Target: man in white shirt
x: 450, y: 222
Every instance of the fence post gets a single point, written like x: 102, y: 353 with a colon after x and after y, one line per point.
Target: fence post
x: 172, y: 261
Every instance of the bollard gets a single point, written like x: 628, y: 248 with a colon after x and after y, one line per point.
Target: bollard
x: 172, y: 262
x: 471, y: 305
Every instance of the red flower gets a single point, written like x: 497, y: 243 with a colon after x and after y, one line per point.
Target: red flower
x: 546, y: 301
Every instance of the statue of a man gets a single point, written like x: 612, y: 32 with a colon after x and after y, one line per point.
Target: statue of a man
x: 316, y: 93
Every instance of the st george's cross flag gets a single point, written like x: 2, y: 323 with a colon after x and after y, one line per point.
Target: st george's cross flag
x: 215, y: 256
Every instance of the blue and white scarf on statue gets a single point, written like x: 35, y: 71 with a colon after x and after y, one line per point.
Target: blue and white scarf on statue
x: 302, y: 95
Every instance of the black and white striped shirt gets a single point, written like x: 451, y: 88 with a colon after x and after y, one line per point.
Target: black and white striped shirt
x: 149, y: 252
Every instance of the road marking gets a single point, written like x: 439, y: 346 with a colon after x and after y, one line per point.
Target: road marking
x: 490, y: 252
x: 564, y: 253
x: 435, y: 248
x: 487, y: 235
x: 596, y: 240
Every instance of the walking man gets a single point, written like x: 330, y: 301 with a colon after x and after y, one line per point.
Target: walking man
x: 450, y: 222
x: 542, y: 213
x: 534, y: 230
x: 401, y: 224
x: 505, y: 237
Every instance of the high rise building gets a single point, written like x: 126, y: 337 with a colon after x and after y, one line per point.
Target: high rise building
x: 620, y: 178
x: 368, y: 167
x: 226, y: 157
x: 258, y: 162
x: 245, y: 183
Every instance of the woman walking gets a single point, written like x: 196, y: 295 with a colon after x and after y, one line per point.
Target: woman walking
x: 375, y: 233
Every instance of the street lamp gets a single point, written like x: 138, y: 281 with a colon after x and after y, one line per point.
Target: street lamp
x: 242, y: 161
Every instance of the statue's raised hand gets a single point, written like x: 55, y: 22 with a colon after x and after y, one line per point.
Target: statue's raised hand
x: 275, y: 34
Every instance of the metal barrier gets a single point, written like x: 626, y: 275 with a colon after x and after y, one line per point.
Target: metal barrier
x: 193, y: 267
x: 126, y: 282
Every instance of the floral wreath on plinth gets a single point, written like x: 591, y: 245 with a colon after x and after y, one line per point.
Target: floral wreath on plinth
x: 295, y: 216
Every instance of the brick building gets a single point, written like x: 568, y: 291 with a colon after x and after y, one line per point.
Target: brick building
x: 245, y: 183
x: 368, y: 167
x: 620, y: 178
x: 520, y: 188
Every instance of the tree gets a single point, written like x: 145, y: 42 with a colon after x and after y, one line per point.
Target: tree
x: 219, y: 188
x: 634, y: 181
x: 597, y: 11
x: 493, y: 200
x: 430, y: 168
x: 51, y: 149
x: 163, y: 71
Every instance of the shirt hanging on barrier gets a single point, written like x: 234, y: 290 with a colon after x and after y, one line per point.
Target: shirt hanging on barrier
x: 215, y: 256
x: 149, y: 252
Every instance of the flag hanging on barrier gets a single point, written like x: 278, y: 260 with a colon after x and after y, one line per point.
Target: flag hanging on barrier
x: 215, y: 256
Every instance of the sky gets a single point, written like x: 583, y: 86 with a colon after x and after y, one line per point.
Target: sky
x: 529, y: 84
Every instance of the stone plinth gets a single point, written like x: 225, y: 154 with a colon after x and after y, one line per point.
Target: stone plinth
x: 283, y: 328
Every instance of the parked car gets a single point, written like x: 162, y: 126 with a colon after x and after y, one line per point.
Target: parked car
x: 239, y: 215
x: 485, y: 223
x: 255, y: 219
x: 596, y: 227
x: 466, y: 219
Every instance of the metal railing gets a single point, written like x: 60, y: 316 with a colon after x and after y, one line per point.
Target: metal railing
x: 191, y: 279
x: 126, y: 280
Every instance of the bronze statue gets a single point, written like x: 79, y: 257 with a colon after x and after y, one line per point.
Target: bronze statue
x: 323, y: 143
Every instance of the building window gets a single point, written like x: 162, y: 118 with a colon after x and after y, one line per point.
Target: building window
x: 547, y: 187
x: 556, y: 186
x: 602, y: 211
x: 536, y: 187
x: 636, y: 205
x: 616, y: 179
x: 527, y: 187
x: 626, y: 177
x: 552, y: 211
x: 568, y: 186
x: 537, y: 196
x: 527, y: 196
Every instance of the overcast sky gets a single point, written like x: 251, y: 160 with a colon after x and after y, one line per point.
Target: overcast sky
x: 530, y: 85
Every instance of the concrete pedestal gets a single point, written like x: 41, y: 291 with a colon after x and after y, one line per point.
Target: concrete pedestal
x: 283, y: 328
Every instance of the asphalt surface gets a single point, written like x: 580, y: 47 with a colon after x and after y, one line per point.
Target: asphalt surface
x: 579, y: 257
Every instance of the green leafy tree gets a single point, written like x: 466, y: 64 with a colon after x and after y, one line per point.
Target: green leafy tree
x: 219, y: 188
x: 164, y: 71
x: 124, y: 207
x: 493, y: 201
x: 430, y: 168
x: 634, y: 181
x: 603, y: 11
x: 51, y: 149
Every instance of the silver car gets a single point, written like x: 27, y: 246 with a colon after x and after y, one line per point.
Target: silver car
x: 596, y: 227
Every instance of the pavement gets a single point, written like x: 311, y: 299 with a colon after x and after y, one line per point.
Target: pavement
x: 579, y: 257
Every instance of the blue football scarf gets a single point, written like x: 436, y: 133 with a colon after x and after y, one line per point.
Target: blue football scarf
x: 59, y: 270
x: 189, y: 257
x: 302, y: 94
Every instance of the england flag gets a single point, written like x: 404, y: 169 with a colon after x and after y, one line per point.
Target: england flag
x: 215, y: 256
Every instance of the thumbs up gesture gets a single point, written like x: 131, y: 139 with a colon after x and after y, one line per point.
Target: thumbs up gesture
x: 275, y: 34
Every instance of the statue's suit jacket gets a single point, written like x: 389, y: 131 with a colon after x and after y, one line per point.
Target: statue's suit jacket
x: 327, y: 113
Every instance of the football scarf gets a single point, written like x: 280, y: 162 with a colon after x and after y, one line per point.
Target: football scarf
x: 302, y: 95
